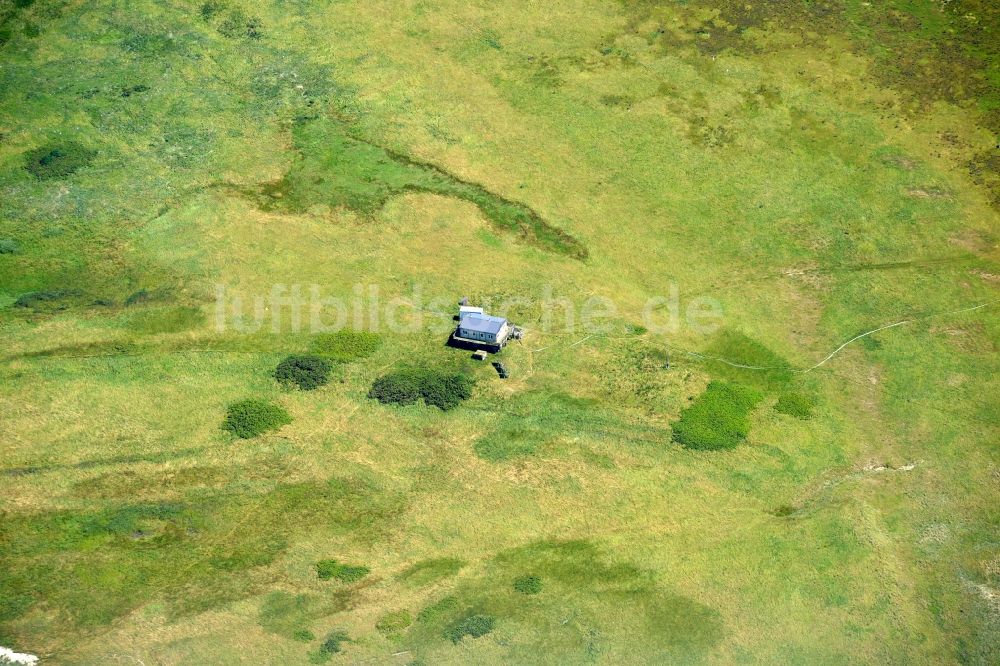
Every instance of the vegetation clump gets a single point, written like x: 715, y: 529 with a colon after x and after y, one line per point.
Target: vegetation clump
x: 428, y: 571
x: 438, y: 610
x: 237, y: 24
x: 50, y: 161
x: 345, y: 573
x: 250, y: 418
x: 718, y: 418
x: 333, y: 642
x: 528, y: 584
x: 306, y: 372
x: 346, y: 345
x: 405, y: 387
x: 394, y: 621
x: 794, y: 404
x: 9, y: 246
x: 471, y: 625
x: 52, y: 298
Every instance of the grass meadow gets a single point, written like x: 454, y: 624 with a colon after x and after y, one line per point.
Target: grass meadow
x: 819, y: 169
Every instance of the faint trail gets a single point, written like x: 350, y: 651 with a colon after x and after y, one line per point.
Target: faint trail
x: 898, y: 323
x: 856, y: 337
x: 822, y: 362
x: 728, y: 362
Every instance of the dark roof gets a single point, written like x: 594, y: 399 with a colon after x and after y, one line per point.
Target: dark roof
x: 481, y: 323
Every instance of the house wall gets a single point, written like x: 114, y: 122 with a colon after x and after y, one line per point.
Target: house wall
x: 476, y: 335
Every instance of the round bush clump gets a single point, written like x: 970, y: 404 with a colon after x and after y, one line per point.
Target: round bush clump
x: 250, y: 418
x: 437, y: 389
x: 9, y: 246
x: 473, y: 625
x: 60, y: 161
x: 306, y: 372
x: 528, y: 584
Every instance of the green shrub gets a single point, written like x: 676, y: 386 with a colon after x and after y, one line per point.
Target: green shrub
x: 60, y: 161
x: 346, y: 344
x: 472, y: 625
x: 305, y: 372
x: 9, y: 246
x: 528, y: 584
x: 394, y: 621
x: 345, y: 573
x: 717, y: 419
x: 211, y: 9
x: 54, y: 298
x: 333, y: 640
x: 404, y: 387
x: 794, y: 404
x: 250, y: 418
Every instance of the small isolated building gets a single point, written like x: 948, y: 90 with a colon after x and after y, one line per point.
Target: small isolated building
x: 483, y: 329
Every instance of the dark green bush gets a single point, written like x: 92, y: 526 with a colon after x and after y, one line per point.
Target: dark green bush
x: 472, y: 625
x: 394, y: 621
x: 141, y: 296
x: 438, y: 389
x: 210, y: 9
x: 794, y: 404
x: 250, y: 418
x: 38, y: 299
x: 60, y: 161
x: 333, y: 640
x: 718, y: 418
x: 9, y: 246
x: 306, y: 372
x: 345, y: 573
x: 346, y: 344
x: 528, y: 584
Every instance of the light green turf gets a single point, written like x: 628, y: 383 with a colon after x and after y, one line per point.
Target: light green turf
x: 818, y: 168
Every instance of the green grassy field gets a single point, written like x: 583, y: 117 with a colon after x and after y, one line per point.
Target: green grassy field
x: 818, y: 169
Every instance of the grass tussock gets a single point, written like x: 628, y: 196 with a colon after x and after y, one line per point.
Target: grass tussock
x: 472, y: 626
x: 345, y: 573
x: 394, y: 622
x: 795, y: 404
